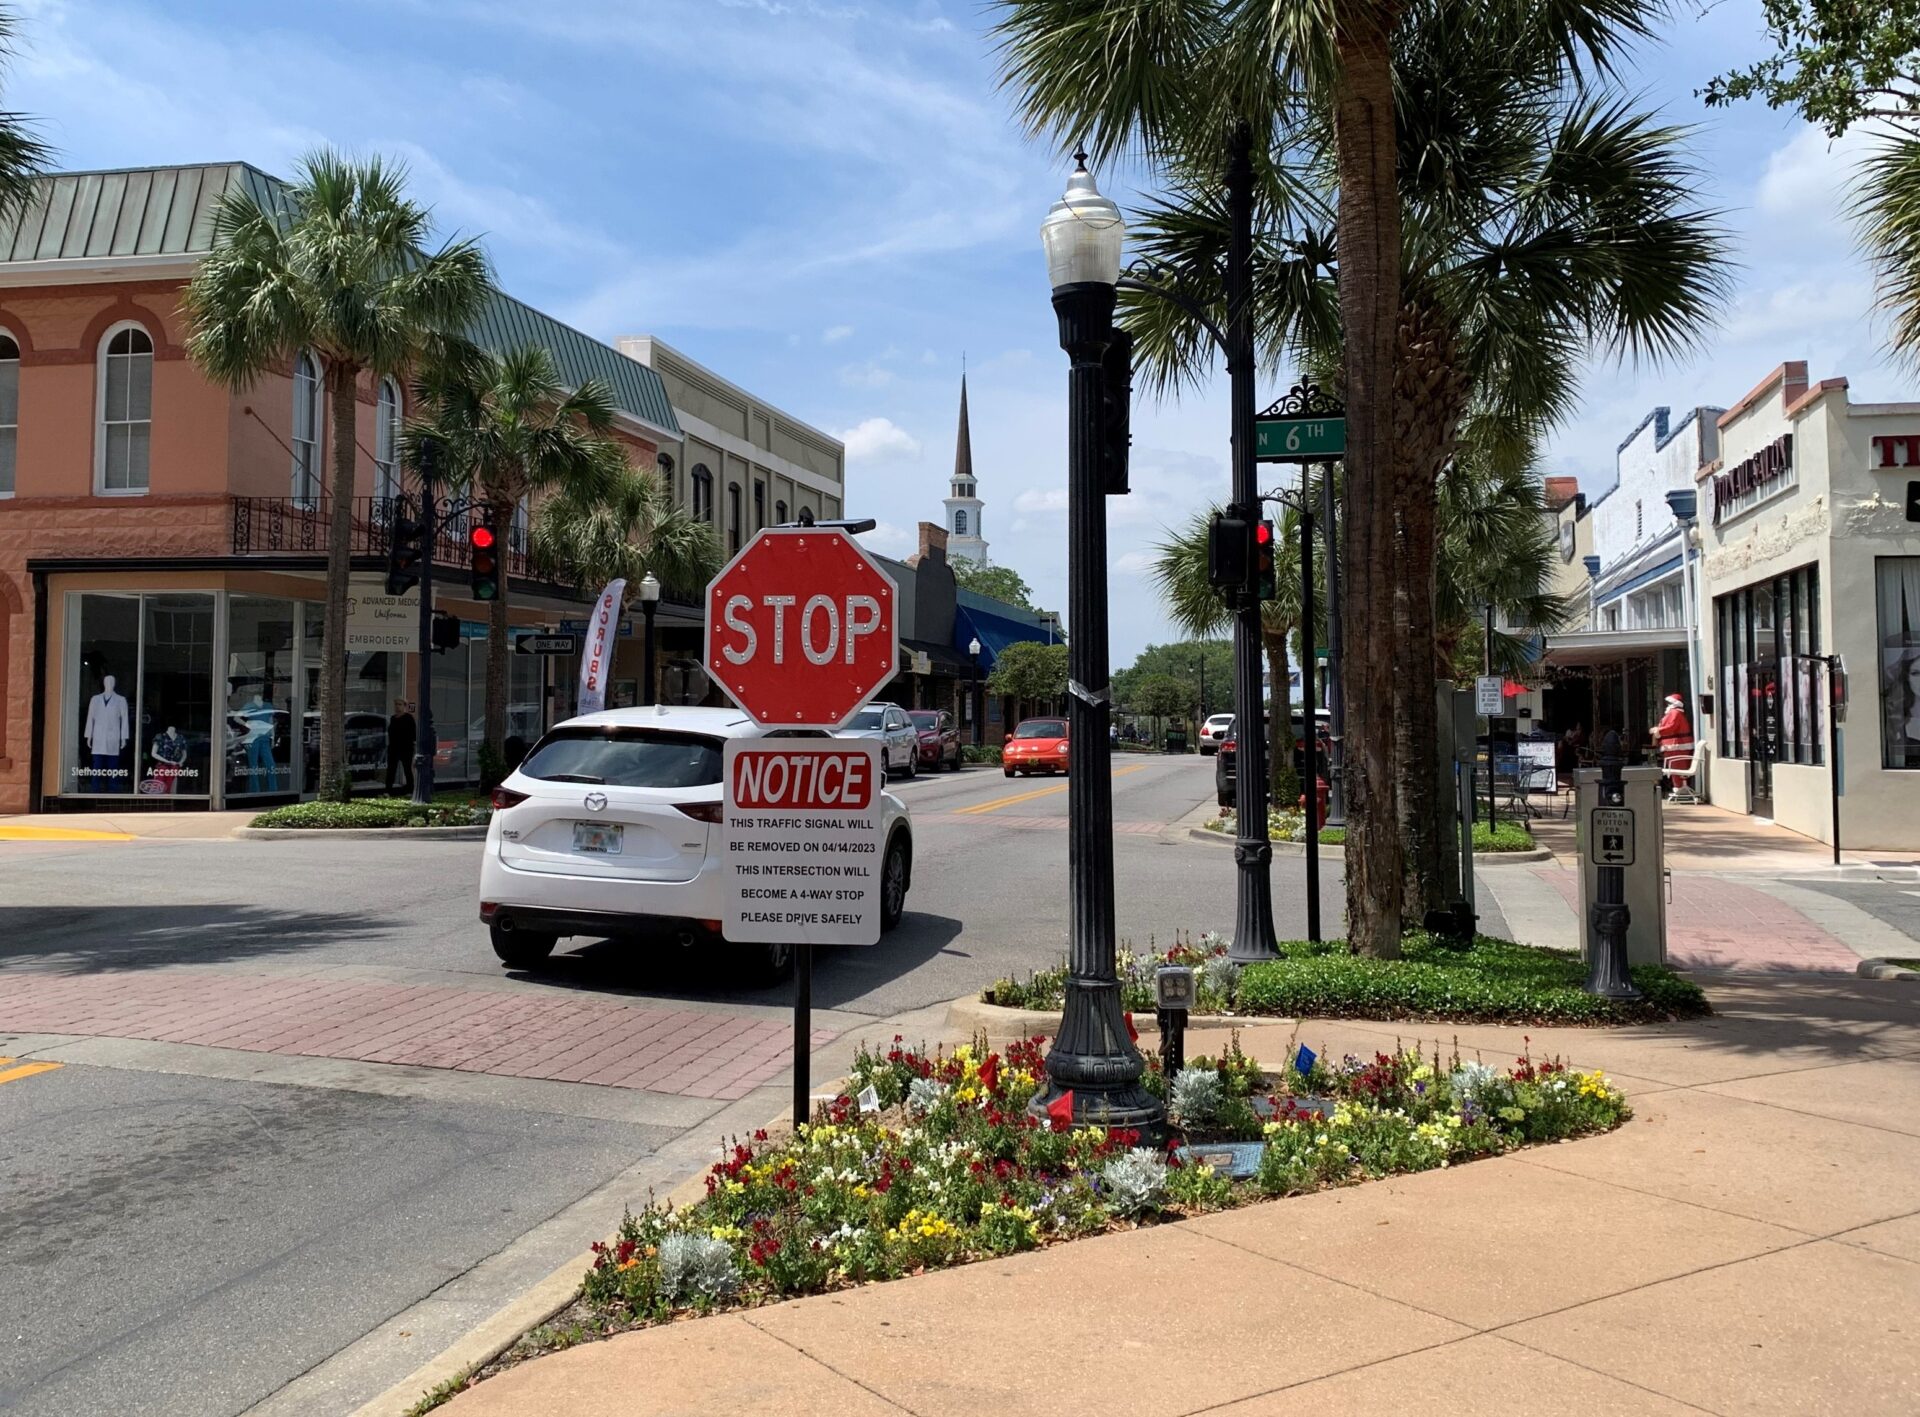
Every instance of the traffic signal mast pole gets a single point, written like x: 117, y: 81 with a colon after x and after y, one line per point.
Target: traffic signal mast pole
x: 429, y: 533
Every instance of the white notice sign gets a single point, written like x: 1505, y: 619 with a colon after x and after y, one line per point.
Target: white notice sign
x: 378, y: 621
x: 1489, y: 700
x: 800, y: 841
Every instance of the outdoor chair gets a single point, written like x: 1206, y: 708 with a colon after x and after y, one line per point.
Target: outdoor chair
x: 1682, y: 777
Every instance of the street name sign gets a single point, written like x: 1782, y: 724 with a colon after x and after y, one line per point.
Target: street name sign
x: 547, y: 644
x: 800, y: 841
x: 1610, y: 836
x: 1489, y: 695
x: 1299, y: 439
x: 801, y: 629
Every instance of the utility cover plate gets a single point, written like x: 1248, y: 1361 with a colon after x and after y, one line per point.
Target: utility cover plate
x: 1610, y: 836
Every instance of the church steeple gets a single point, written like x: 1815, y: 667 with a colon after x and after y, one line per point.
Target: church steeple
x: 965, y: 534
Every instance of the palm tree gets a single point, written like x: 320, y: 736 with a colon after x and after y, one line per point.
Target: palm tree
x: 336, y: 267
x: 623, y: 533
x: 1494, y: 549
x: 509, y: 431
x: 22, y: 155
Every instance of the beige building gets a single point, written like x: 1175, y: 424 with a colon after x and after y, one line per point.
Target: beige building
x: 741, y: 464
x: 1806, y: 550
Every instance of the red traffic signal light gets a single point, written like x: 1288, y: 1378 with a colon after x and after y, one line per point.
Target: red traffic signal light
x: 484, y: 565
x: 1263, y: 533
x: 482, y: 538
x: 1266, y: 571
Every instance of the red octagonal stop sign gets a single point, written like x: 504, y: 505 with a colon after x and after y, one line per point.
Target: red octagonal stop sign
x: 801, y: 628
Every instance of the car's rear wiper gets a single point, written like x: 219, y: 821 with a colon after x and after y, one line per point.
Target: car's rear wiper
x: 574, y: 777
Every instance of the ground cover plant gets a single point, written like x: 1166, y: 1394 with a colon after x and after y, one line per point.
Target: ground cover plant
x: 1436, y: 979
x: 448, y: 809
x: 1291, y: 825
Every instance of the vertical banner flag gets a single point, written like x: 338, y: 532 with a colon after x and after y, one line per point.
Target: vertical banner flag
x: 596, y: 660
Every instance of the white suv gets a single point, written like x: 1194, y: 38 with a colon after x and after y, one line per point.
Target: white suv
x: 611, y: 827
x: 1214, y: 732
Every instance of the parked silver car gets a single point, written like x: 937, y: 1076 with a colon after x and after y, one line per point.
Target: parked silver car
x: 899, y: 742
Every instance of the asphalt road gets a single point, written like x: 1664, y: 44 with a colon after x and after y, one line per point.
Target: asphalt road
x: 181, y: 1236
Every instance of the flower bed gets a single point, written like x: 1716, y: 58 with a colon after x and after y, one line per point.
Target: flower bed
x: 1490, y: 981
x: 1291, y: 825
x: 933, y: 1160
x: 446, y: 810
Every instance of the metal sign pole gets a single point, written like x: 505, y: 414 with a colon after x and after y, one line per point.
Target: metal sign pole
x: 1609, y: 916
x: 802, y: 1032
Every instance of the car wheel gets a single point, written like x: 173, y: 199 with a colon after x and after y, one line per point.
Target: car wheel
x: 1008, y: 771
x: 765, y: 964
x: 913, y: 764
x: 893, y: 882
x: 522, y: 949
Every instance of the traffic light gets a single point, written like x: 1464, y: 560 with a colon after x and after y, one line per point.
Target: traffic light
x: 1116, y: 413
x: 483, y: 568
x: 446, y: 631
x: 1266, y: 579
x: 1229, y: 552
x: 406, y: 542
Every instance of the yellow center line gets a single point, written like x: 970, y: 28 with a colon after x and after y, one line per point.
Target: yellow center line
x: 26, y: 1070
x: 1000, y: 802
x: 60, y: 834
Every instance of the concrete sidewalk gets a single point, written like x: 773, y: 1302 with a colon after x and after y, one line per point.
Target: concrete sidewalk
x: 1749, y: 1242
x: 122, y: 826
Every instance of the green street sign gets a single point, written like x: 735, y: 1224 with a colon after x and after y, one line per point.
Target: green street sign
x: 1299, y: 439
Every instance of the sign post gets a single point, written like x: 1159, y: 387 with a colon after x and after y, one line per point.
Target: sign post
x: 1610, y: 840
x: 801, y: 633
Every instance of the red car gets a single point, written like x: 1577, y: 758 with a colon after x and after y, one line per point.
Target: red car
x: 1036, y: 745
x: 939, y: 738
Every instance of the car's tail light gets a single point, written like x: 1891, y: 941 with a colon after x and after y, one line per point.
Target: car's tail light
x: 505, y: 797
x: 700, y: 811
x: 1228, y: 745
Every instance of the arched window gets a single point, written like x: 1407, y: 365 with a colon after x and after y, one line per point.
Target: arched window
x: 702, y: 493
x: 9, y: 410
x: 960, y: 523
x: 780, y: 513
x: 126, y: 409
x: 306, y: 429
x: 386, y: 441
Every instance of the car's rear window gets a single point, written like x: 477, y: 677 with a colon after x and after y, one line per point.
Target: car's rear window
x: 1041, y: 728
x: 925, y: 719
x: 626, y: 757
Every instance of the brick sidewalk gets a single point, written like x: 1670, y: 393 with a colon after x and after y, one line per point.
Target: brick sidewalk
x: 557, y: 1037
x: 1715, y: 923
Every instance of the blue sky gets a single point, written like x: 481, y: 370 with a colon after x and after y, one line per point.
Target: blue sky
x: 828, y: 203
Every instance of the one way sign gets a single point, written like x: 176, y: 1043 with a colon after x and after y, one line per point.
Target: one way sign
x: 547, y: 644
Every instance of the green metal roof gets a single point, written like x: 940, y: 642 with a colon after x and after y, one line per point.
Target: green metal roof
x: 156, y: 212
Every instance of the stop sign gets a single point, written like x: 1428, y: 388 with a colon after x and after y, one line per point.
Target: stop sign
x: 801, y: 628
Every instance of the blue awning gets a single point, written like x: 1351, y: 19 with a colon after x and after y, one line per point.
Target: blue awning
x: 995, y: 633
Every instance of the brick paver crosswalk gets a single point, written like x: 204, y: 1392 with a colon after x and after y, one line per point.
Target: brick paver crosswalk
x: 559, y: 1037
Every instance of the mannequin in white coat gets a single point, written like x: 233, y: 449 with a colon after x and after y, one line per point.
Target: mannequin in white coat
x: 107, y: 731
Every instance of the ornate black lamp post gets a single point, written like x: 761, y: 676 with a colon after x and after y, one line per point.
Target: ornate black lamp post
x: 1092, y: 1057
x: 648, y: 594
x: 977, y: 708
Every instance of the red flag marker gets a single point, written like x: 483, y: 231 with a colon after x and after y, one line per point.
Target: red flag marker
x: 1060, y: 1110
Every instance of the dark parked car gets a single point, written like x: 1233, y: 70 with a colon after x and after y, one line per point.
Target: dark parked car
x: 939, y: 738
x: 1228, y: 755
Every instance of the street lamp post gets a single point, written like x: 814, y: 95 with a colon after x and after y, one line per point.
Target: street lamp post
x: 978, y: 709
x: 1093, y: 1064
x: 1336, y: 691
x: 428, y: 460
x: 1685, y: 503
x: 649, y: 596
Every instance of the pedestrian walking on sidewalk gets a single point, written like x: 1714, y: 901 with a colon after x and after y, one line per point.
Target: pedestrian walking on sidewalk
x: 402, y: 734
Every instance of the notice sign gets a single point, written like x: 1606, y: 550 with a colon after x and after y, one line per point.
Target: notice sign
x: 1610, y: 836
x: 800, y: 842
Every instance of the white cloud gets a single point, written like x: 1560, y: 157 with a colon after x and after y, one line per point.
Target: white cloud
x: 1041, y: 501
x: 891, y: 540
x: 1135, y: 563
x: 871, y: 375
x: 833, y: 334
x: 879, y: 440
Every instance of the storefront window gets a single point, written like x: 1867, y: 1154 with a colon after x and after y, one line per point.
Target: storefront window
x: 1771, y: 689
x: 105, y: 669
x: 175, y: 733
x: 453, y: 759
x: 373, y: 683
x: 259, y: 696
x: 1897, y: 587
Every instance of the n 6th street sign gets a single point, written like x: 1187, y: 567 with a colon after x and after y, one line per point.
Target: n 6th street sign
x: 1299, y: 439
x: 801, y: 629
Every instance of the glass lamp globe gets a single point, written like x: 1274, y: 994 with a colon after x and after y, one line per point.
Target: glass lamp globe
x: 973, y: 647
x: 649, y: 588
x: 1083, y: 234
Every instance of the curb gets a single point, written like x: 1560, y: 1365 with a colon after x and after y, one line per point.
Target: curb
x: 1004, y: 1025
x: 475, y: 833
x: 1881, y: 969
x: 1296, y: 848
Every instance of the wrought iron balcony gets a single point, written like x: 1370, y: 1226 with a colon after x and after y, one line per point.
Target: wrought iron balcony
x: 288, y: 526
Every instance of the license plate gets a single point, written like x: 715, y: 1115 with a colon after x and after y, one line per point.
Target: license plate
x: 597, y: 838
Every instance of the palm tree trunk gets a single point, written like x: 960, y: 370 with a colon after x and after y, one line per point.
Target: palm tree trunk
x: 497, y: 646
x: 342, y: 379
x: 1369, y: 252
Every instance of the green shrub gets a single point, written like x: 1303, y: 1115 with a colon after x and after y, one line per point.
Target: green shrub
x: 457, y: 809
x: 980, y: 752
x: 1502, y: 836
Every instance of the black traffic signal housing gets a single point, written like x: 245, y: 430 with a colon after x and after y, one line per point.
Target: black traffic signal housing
x: 446, y: 631
x: 483, y: 565
x: 1266, y: 575
x: 1229, y: 552
x: 406, y: 543
x: 1116, y: 413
